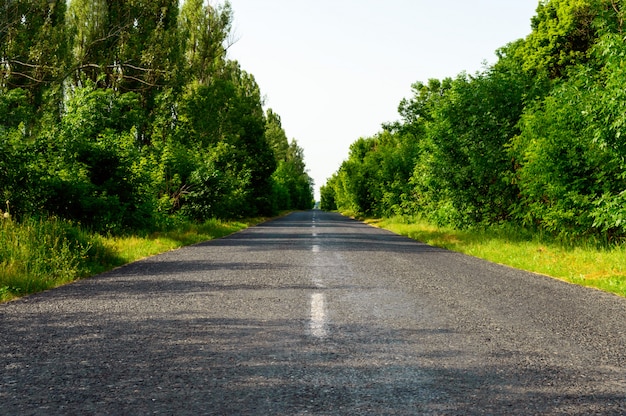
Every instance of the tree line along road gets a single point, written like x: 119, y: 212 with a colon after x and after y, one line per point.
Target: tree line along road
x: 314, y: 313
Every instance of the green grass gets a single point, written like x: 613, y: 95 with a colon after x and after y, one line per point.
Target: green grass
x: 37, y: 255
x: 583, y: 263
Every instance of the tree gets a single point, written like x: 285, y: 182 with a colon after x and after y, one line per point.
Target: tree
x: 126, y: 45
x: 327, y: 196
x: 34, y: 52
x: 276, y: 136
x: 33, y: 43
x: 205, y: 31
x: 563, y: 32
x: 120, y: 113
x: 95, y: 173
x: 569, y: 153
x: 470, y: 127
x: 293, y: 187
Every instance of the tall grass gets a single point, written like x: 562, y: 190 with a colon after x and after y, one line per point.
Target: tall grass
x: 583, y: 262
x: 37, y: 255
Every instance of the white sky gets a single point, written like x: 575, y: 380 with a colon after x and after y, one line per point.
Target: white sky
x: 335, y: 70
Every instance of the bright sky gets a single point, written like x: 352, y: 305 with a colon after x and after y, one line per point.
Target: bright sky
x: 335, y: 70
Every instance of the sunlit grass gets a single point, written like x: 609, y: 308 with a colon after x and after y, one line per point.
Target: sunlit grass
x: 37, y: 255
x: 583, y: 263
x: 134, y: 247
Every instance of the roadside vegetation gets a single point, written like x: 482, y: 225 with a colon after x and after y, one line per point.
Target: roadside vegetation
x: 126, y: 130
x: 587, y: 263
x: 37, y: 255
x: 530, y: 148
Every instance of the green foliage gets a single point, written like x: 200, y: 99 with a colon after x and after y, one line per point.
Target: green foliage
x: 292, y: 186
x: 464, y: 165
x: 217, y: 187
x: 127, y: 45
x: 204, y: 29
x: 33, y: 46
x: 375, y: 178
x: 94, y: 174
x: 563, y: 32
x: 327, y: 196
x: 534, y: 140
x: 275, y: 135
x: 571, y: 157
x: 126, y: 115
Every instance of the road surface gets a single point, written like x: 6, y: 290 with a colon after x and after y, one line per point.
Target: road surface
x: 314, y: 313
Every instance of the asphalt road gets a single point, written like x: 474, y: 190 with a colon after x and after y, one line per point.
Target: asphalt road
x: 314, y: 314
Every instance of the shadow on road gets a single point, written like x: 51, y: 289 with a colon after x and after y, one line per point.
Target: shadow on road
x: 117, y: 364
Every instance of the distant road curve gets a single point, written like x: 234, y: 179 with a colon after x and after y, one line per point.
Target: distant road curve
x: 314, y: 313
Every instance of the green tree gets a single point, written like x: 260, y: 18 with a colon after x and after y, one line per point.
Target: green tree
x: 467, y: 158
x: 34, y: 52
x: 327, y: 195
x: 205, y: 31
x: 18, y: 154
x: 276, y: 136
x: 570, y: 155
x: 33, y: 46
x: 233, y: 101
x: 126, y: 45
x: 95, y: 173
x: 120, y: 113
x: 293, y: 187
x: 563, y: 32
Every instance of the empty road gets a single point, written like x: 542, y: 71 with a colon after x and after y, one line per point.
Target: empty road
x: 314, y: 313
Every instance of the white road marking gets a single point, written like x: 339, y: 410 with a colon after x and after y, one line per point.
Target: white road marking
x: 317, y: 325
x: 315, y: 248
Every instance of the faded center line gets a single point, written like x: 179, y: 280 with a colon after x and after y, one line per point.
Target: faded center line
x: 317, y: 325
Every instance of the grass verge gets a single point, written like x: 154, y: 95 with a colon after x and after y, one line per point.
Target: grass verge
x: 583, y: 263
x: 37, y: 255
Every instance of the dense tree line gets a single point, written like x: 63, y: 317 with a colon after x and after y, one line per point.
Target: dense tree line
x: 124, y: 113
x: 536, y: 139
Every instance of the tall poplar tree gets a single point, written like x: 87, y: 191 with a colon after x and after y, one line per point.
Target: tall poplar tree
x: 33, y: 46
x: 276, y: 136
x: 205, y: 29
x: 127, y: 45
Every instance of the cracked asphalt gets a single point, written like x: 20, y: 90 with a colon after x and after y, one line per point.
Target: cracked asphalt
x: 314, y: 313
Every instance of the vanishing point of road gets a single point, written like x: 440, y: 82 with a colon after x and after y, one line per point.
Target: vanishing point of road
x: 314, y: 313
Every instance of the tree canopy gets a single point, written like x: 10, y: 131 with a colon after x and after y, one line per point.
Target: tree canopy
x: 535, y: 139
x: 124, y: 114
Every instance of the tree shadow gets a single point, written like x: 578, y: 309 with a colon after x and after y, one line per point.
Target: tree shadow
x: 118, y: 364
